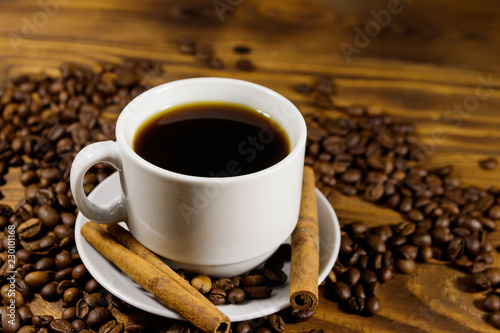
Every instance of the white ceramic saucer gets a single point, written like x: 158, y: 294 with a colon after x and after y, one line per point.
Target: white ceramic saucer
x: 120, y: 285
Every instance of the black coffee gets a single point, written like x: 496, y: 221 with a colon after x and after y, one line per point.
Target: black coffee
x: 211, y: 139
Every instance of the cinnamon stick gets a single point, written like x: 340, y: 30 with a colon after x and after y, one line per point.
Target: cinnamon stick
x: 304, y: 268
x: 201, y: 312
x: 125, y: 238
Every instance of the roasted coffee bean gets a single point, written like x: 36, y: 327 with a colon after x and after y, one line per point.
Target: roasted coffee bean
x: 82, y: 309
x: 491, y: 303
x: 24, y: 255
x: 92, y: 286
x: 45, y: 264
x: 375, y: 244
x: 252, y: 280
x: 244, y: 327
x: 111, y: 327
x: 63, y: 260
x: 29, y: 229
x: 42, y: 321
x: 224, y: 284
x: 425, y: 254
x: 61, y: 231
x: 494, y: 275
x: 63, y: 274
x: 97, y: 317
x: 351, y: 176
x: 68, y: 219
x: 405, y: 228
x: 455, y: 248
x: 49, y: 292
x: 346, y: 245
x: 48, y: 216
x: 11, y: 321
x: 357, y: 228
x: 386, y: 274
x: 70, y: 296
x: 372, y: 305
x: 494, y: 212
x: 368, y: 276
x: 245, y: 65
x: 8, y: 297
x: 405, y: 266
x: 79, y: 273
x: 361, y: 262
x: 23, y: 288
x: 490, y: 163
x: 275, y: 276
x: 258, y: 292
x: 495, y: 319
x: 276, y: 323
x: 302, y: 315
x: 236, y: 295
x: 376, y: 262
x: 25, y: 314
x: 356, y: 304
x: 422, y: 239
x: 358, y: 291
x: 78, y: 325
x: 217, y: 296
x: 396, y: 241
x: 60, y: 326
x: 481, y: 281
x: 372, y: 289
x: 341, y: 291
x: 383, y: 232
x: 69, y: 313
x: 481, y: 263
x: 441, y: 235
x: 407, y: 252
x: 202, y: 283
x: 353, y: 275
x: 27, y: 329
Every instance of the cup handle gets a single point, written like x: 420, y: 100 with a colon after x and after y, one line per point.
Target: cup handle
x: 105, y: 151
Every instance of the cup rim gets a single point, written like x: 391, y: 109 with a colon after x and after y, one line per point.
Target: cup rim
x: 125, y: 147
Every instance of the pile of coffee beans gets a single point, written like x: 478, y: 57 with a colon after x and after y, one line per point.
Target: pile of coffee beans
x: 369, y: 154
x: 45, y: 121
x: 257, y: 284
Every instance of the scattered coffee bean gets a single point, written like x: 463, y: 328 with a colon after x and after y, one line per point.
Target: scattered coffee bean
x: 490, y: 163
x: 491, y: 303
x: 97, y: 317
x: 60, y: 326
x: 202, y: 283
x: 245, y: 65
x: 236, y: 295
x: 276, y: 323
x: 495, y: 319
x: 217, y: 296
x: 258, y: 292
x: 242, y: 49
x: 372, y: 305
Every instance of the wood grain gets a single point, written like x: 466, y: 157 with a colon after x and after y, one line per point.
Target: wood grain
x: 424, y: 67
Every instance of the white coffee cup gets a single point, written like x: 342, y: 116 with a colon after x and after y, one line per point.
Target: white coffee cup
x: 221, y: 226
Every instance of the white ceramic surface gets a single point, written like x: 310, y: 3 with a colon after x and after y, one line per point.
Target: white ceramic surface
x: 120, y: 285
x: 213, y: 225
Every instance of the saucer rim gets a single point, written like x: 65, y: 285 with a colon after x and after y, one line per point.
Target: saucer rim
x: 162, y: 310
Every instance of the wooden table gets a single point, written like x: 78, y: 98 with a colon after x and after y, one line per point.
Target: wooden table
x: 434, y: 63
